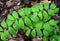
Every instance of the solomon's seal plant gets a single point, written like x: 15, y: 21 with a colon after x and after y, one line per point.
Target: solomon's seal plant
x: 36, y: 21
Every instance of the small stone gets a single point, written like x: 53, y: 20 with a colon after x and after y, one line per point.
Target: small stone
x: 9, y: 3
x: 12, y: 40
x: 18, y: 3
x: 16, y: 7
x: 20, y: 39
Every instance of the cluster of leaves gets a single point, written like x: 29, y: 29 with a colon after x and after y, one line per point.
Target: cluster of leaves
x: 36, y: 21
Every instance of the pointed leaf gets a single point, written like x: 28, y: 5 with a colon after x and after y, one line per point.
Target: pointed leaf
x: 45, y: 39
x: 21, y: 23
x: 28, y: 21
x: 45, y: 15
x: 53, y: 22
x: 16, y: 25
x: 39, y: 26
x: 34, y: 18
x: 52, y: 6
x: 28, y: 32
x: 39, y: 33
x: 6, y: 33
x: 3, y: 36
x: 51, y: 12
x: 9, y: 22
x: 40, y: 15
x: 45, y: 33
x: 12, y: 31
x: 21, y: 12
x: 10, y: 17
x: 1, y: 29
x: 46, y: 6
x: 33, y: 33
x: 3, y: 24
x: 15, y: 14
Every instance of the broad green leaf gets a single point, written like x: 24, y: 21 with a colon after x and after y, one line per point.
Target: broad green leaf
x: 34, y: 18
x: 26, y: 28
x: 45, y: 39
x: 27, y: 11
x: 15, y: 14
x: 10, y: 17
x: 40, y: 15
x: 45, y: 33
x: 21, y: 23
x: 39, y: 26
x: 54, y: 38
x: 33, y: 33
x: 9, y: 22
x: 34, y: 9
x: 12, y: 31
x: 35, y: 13
x: 56, y: 10
x: 53, y: 22
x: 45, y: 15
x: 1, y: 29
x: 52, y: 6
x: 40, y: 6
x: 28, y: 32
x: 16, y: 25
x: 39, y: 33
x: 46, y: 6
x: 3, y: 36
x: 21, y: 12
x: 28, y: 21
x: 47, y: 27
x: 51, y: 12
x: 6, y: 33
x: 3, y: 24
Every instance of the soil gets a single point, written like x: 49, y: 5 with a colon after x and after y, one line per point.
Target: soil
x: 7, y: 6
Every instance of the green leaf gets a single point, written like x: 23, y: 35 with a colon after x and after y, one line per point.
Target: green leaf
x: 1, y: 29
x: 16, y: 25
x: 51, y: 12
x: 46, y: 6
x: 52, y: 6
x: 34, y: 9
x: 53, y: 22
x: 39, y: 33
x: 34, y: 18
x: 45, y: 39
x: 56, y: 10
x: 46, y: 25
x: 10, y: 17
x: 40, y: 15
x: 21, y: 23
x: 3, y: 24
x: 28, y: 32
x: 33, y: 33
x: 3, y: 36
x: 26, y: 28
x: 21, y: 12
x: 54, y: 38
x: 45, y: 15
x: 27, y: 11
x: 39, y: 26
x: 9, y: 22
x: 12, y: 31
x: 40, y: 6
x: 28, y: 21
x: 6, y: 33
x: 45, y: 33
x: 15, y: 14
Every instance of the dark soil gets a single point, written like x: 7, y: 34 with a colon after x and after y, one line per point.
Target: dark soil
x: 7, y: 6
